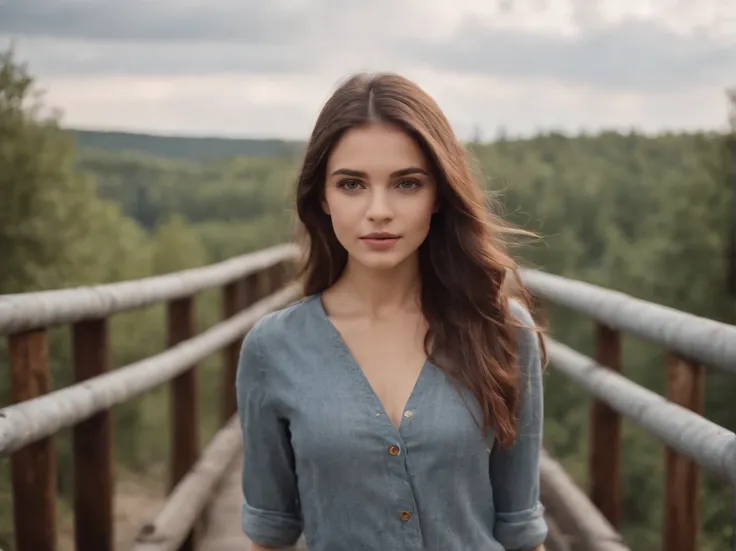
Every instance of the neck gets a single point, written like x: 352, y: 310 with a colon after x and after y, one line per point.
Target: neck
x: 381, y: 292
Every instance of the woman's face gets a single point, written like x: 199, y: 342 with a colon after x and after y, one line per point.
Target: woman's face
x: 379, y: 195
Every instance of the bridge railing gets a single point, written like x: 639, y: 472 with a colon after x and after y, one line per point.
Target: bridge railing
x: 252, y: 285
x: 255, y: 284
x: 691, y: 441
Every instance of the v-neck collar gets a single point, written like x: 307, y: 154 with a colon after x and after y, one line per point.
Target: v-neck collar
x: 341, y: 347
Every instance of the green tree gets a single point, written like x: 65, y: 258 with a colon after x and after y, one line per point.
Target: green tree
x: 55, y: 231
x: 51, y: 220
x: 176, y: 247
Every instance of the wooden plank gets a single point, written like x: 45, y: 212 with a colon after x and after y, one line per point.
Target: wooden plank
x: 556, y: 540
x: 191, y: 496
x: 93, y: 446
x: 685, y: 382
x: 232, y: 295
x: 184, y: 402
x: 236, y: 298
x: 34, y: 466
x: 224, y: 532
x: 572, y: 512
x: 276, y: 277
x: 604, y: 460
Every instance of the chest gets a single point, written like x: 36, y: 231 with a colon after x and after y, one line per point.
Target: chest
x: 387, y: 357
x: 336, y: 418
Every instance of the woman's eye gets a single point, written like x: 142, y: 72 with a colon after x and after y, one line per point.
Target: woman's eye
x: 409, y: 184
x: 349, y: 185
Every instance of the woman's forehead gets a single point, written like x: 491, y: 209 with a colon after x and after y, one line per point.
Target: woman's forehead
x: 376, y: 148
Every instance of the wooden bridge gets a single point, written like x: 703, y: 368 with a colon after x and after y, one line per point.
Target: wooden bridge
x: 203, y: 507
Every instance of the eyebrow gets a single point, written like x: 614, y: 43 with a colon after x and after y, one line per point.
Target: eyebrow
x: 395, y: 174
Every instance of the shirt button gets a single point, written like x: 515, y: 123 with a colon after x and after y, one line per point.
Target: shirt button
x: 408, y: 413
x: 393, y: 450
x: 405, y: 516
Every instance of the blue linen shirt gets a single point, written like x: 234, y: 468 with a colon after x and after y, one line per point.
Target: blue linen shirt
x: 322, y: 457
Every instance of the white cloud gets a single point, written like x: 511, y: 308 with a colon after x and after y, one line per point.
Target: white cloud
x: 265, y: 68
x: 286, y: 106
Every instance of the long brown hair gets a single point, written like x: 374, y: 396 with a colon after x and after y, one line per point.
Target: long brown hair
x: 463, y: 265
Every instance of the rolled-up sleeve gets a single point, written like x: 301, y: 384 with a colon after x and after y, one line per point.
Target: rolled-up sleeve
x: 514, y: 472
x: 271, y: 514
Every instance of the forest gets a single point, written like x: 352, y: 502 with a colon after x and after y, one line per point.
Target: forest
x: 645, y: 215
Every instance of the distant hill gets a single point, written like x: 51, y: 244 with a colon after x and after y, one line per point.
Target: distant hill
x: 178, y: 147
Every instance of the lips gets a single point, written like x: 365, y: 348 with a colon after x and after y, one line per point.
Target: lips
x: 380, y: 241
x: 382, y: 236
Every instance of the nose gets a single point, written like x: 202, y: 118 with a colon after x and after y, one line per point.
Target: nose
x: 379, y: 209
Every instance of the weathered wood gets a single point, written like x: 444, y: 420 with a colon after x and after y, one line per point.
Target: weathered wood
x: 232, y: 295
x: 704, y: 340
x: 681, y: 502
x: 21, y: 312
x: 604, y: 463
x: 191, y: 495
x: 34, y: 466
x: 236, y: 297
x: 184, y: 402
x: 93, y: 446
x: 276, y: 277
x: 27, y: 422
x: 225, y: 533
x: 184, y: 398
x: 556, y: 540
x: 710, y: 445
x: 573, y: 512
x: 257, y: 286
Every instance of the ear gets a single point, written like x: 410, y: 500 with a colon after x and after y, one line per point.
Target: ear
x: 325, y: 206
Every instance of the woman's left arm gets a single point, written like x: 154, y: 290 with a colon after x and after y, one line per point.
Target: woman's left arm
x: 514, y: 472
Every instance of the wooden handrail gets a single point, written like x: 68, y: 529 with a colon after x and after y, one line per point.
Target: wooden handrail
x: 28, y: 421
x: 255, y: 284
x: 252, y: 285
x: 708, y: 444
x: 691, y: 441
x: 702, y: 340
x: 573, y: 512
x: 44, y: 309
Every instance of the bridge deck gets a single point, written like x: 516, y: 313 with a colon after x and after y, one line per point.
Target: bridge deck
x: 223, y: 525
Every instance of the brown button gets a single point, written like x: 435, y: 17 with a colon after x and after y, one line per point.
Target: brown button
x: 393, y: 450
x: 405, y: 516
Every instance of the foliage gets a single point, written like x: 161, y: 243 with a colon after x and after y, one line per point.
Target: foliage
x: 176, y: 147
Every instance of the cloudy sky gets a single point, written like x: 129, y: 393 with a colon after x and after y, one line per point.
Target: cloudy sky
x: 263, y: 68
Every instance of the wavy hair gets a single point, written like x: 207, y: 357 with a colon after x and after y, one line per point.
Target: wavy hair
x: 463, y: 264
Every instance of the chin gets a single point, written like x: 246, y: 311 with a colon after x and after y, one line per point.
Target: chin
x: 387, y: 260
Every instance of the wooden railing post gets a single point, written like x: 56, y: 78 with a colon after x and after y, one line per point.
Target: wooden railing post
x: 231, y: 303
x: 184, y: 402
x: 276, y: 277
x: 605, y: 435
x: 93, y: 446
x: 33, y: 467
x: 236, y: 296
x: 681, y: 504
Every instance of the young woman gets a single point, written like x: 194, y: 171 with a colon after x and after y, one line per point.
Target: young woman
x: 398, y: 406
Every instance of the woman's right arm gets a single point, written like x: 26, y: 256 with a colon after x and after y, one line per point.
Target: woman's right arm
x: 271, y: 515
